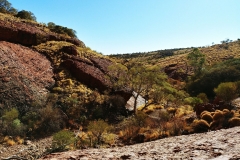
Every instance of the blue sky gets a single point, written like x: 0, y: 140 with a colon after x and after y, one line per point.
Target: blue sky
x: 126, y: 26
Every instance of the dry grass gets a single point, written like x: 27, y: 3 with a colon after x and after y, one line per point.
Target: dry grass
x: 200, y: 125
x: 235, y: 121
x: 128, y: 133
x: 215, y: 53
x: 52, y: 46
x: 9, y: 141
x: 52, y: 49
x: 65, y: 82
x: 19, y: 140
x: 151, y: 108
x: 207, y: 117
x: 205, y: 112
x: 10, y: 19
x: 184, y: 110
x: 218, y: 115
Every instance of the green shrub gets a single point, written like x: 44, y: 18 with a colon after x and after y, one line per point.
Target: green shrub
x: 61, y: 30
x: 192, y: 101
x: 109, y: 138
x: 98, y: 128
x: 11, y: 125
x: 9, y: 116
x: 226, y: 91
x: 196, y: 59
x: 62, y: 139
x: 217, y: 74
x: 26, y: 15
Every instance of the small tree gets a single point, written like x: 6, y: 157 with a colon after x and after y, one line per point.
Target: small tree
x: 26, y: 15
x: 196, y: 59
x: 138, y: 79
x: 51, y: 25
x: 62, y: 30
x: 6, y: 7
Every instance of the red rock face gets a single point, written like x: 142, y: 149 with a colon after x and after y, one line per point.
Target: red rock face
x: 71, y: 50
x: 25, y: 75
x: 101, y: 63
x: 93, y: 72
x: 29, y: 34
x: 87, y: 73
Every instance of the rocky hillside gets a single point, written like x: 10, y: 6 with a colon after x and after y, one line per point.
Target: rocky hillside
x: 174, y: 61
x: 33, y: 59
x: 50, y: 82
x: 217, y: 145
x: 29, y: 33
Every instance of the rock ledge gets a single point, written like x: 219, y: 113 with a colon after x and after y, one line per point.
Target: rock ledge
x: 221, y: 144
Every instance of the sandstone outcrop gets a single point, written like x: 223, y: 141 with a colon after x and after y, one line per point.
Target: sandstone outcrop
x: 28, y: 34
x: 25, y: 75
x: 88, y: 74
x: 93, y: 72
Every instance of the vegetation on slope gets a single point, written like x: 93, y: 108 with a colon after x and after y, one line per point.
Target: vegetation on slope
x: 6, y: 8
x: 169, y: 106
x: 213, y: 54
x: 226, y: 71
